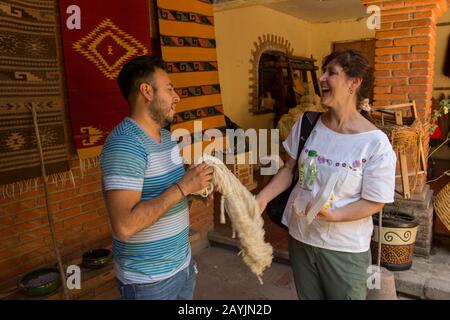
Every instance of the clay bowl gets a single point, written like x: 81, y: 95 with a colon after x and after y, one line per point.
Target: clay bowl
x: 97, y: 258
x: 40, y: 282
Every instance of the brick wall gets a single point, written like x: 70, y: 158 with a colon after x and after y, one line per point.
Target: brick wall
x: 405, y: 55
x: 404, y: 71
x: 405, y: 49
x: 80, y: 222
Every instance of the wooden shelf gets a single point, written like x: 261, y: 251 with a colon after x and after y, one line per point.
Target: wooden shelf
x: 261, y: 111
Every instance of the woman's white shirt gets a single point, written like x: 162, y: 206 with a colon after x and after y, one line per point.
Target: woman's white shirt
x: 366, y: 165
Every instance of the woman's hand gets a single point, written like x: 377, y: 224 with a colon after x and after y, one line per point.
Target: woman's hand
x: 262, y: 203
x: 328, y: 215
x: 323, y: 214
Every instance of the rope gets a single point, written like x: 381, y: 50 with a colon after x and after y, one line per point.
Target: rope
x: 243, y: 211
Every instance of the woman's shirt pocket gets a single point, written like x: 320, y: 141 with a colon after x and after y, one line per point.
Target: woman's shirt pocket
x: 349, y: 184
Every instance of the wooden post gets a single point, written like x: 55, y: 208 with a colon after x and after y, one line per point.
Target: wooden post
x: 48, y: 203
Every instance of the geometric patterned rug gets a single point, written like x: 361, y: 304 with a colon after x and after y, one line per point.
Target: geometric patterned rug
x: 30, y: 75
x: 111, y: 33
x: 188, y: 46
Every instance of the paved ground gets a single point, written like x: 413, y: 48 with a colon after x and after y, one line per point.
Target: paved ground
x: 224, y: 275
x: 428, y: 278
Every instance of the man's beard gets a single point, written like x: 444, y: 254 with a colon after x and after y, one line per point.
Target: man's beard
x: 156, y: 111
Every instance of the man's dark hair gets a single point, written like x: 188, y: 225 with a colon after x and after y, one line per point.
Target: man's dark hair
x: 136, y: 71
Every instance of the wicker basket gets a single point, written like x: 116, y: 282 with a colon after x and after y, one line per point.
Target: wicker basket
x: 442, y: 205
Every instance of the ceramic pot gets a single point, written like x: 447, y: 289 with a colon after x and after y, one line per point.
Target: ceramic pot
x: 398, y: 235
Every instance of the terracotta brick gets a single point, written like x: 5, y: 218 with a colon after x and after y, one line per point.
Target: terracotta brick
x: 13, y: 275
x: 69, y: 223
x: 378, y: 89
x: 30, y: 215
x: 26, y: 226
x: 392, y: 4
x: 387, y: 25
x: 413, y: 23
x: 384, y: 81
x: 33, y: 263
x: 411, y: 41
x: 419, y: 2
x: 10, y: 263
x: 34, y: 234
x: 96, y: 204
x: 387, y: 58
x: 18, y: 205
x: 424, y: 14
x: 10, y: 241
x: 94, y: 223
x: 411, y: 73
x: 69, y: 231
x: 63, y: 195
x: 421, y: 80
x: 76, y: 201
x: 383, y: 43
x: 392, y: 34
x: 420, y: 96
x: 422, y: 31
x: 7, y: 221
x: 102, y: 211
x: 91, y: 178
x: 382, y: 73
x: 29, y: 246
x: 62, y: 214
x: 391, y: 66
x: 397, y: 17
x: 95, y: 187
x: 422, y: 104
x: 379, y: 103
x: 398, y: 11
x: 412, y: 57
x: 390, y: 97
x: 398, y: 89
x: 421, y: 65
x: 391, y: 50
x: 41, y: 252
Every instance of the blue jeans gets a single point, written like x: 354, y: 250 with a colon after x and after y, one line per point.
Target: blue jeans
x: 178, y: 287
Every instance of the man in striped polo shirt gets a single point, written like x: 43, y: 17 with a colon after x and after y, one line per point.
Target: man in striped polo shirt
x: 145, y: 187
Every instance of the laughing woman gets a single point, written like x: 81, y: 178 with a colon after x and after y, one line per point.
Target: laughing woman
x: 330, y: 256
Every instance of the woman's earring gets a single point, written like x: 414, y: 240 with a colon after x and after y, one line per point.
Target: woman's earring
x: 351, y: 91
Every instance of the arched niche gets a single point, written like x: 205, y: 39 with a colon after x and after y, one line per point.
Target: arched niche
x: 266, y: 43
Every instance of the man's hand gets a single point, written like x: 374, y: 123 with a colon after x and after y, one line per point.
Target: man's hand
x: 196, y: 178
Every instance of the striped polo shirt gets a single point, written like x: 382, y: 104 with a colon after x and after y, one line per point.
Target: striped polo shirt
x: 132, y: 160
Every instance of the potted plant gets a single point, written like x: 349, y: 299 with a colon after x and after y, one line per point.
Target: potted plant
x: 398, y: 235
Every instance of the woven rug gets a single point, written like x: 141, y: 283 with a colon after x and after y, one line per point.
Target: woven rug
x: 30, y: 75
x: 111, y: 33
x: 188, y: 46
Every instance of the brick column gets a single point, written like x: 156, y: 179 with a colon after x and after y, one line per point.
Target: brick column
x: 404, y: 71
x: 405, y: 49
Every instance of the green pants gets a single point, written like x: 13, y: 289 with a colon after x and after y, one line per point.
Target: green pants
x: 326, y: 274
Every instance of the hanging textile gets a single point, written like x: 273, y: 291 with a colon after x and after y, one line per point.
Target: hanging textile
x: 188, y: 46
x: 99, y: 37
x: 30, y: 74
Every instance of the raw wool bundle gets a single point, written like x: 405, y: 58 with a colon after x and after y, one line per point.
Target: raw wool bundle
x: 243, y: 211
x: 307, y: 103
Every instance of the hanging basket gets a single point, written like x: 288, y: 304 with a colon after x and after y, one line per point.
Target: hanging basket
x: 442, y: 205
